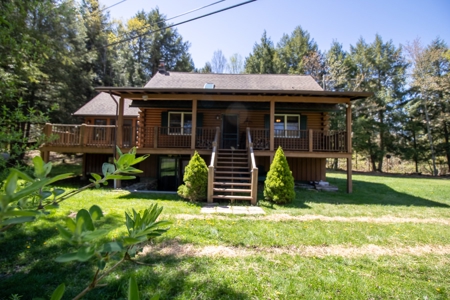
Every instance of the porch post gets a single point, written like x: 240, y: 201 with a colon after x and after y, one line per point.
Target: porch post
x: 194, y: 123
x: 349, y: 147
x: 272, y: 125
x: 120, y: 123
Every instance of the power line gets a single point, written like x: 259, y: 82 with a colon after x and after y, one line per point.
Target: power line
x: 112, y: 5
x: 183, y: 22
x: 180, y: 15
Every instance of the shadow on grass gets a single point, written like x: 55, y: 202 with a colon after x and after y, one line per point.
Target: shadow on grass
x: 364, y: 193
x: 170, y: 277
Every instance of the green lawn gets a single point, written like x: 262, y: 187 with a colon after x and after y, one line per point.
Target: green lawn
x: 389, y: 239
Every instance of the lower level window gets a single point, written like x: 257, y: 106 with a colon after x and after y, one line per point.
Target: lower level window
x: 180, y: 123
x: 287, y: 125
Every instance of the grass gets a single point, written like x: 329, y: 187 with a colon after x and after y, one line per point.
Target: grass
x: 260, y: 257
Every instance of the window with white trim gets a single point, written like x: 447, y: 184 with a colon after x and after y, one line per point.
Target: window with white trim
x: 287, y: 125
x: 180, y: 123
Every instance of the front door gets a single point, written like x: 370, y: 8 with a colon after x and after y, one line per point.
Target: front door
x: 230, y: 131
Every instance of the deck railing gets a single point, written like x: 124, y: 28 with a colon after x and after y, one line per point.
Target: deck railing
x: 176, y: 137
x: 301, y: 140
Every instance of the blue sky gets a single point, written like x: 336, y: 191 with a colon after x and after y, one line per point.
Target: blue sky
x: 238, y: 29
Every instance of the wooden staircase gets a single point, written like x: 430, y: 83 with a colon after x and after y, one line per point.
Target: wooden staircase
x: 232, y: 178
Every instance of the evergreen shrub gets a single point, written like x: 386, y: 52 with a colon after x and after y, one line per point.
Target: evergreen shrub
x: 195, y: 179
x: 279, y: 184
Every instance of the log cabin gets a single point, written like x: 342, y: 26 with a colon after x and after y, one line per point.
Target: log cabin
x: 235, y: 122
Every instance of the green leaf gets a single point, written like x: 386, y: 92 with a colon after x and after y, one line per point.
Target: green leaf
x: 101, y: 264
x: 121, y: 177
x: 139, y: 159
x: 84, y: 220
x: 125, y: 161
x: 96, y: 234
x: 112, y: 247
x: 18, y: 220
x: 56, y: 192
x: 108, y: 168
x: 38, y: 163
x: 119, y: 151
x: 65, y: 234
x: 51, y: 206
x: 25, y: 213
x: 155, y: 297
x: 70, y: 223
x: 96, y: 212
x: 46, y: 194
x: 59, y: 177
x: 96, y: 177
x: 59, y: 292
x: 131, y: 170
x: 85, y: 253
x: 67, y: 257
x: 128, y: 241
x: 133, y: 290
x: 47, y: 168
x: 11, y: 182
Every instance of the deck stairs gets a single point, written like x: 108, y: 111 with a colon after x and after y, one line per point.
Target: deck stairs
x: 232, y: 178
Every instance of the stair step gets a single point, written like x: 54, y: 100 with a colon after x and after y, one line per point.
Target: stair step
x: 232, y: 197
x: 233, y: 172
x: 232, y: 183
x: 226, y: 190
x: 235, y: 178
x: 230, y: 150
x: 233, y: 163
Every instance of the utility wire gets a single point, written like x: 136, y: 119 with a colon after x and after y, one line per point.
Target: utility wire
x: 165, y: 20
x: 113, y: 5
x: 183, y: 22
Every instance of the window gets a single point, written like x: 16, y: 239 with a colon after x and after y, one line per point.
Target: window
x: 180, y: 123
x: 287, y: 125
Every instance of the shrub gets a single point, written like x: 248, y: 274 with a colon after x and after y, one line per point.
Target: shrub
x: 195, y: 179
x: 279, y: 184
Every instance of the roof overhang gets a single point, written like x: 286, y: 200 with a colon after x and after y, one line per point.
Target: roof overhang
x: 137, y: 93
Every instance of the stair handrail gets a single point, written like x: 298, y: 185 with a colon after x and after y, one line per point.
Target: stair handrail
x: 253, y: 168
x: 212, y: 166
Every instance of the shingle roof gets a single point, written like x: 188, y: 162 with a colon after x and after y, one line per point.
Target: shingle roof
x: 103, y: 105
x: 280, y: 82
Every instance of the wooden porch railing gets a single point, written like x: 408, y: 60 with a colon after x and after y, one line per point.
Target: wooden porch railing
x: 252, y: 168
x: 176, y: 137
x: 85, y: 135
x: 212, y: 166
x: 301, y: 140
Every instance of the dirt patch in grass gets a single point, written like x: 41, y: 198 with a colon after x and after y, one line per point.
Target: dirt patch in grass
x: 305, y: 218
x: 175, y: 248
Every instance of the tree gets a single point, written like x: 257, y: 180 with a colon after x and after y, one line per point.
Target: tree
x: 292, y: 51
x: 195, y: 179
x: 279, y: 184
x: 430, y: 82
x: 260, y: 61
x: 379, y: 68
x: 142, y: 43
x: 218, y: 62
x: 236, y: 64
x: 206, y: 69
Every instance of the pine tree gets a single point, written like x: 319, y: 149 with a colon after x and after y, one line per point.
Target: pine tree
x: 279, y: 184
x: 261, y: 61
x: 195, y: 179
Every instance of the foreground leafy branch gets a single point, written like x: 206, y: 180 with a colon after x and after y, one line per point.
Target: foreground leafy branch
x: 21, y: 203
x: 82, y: 232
